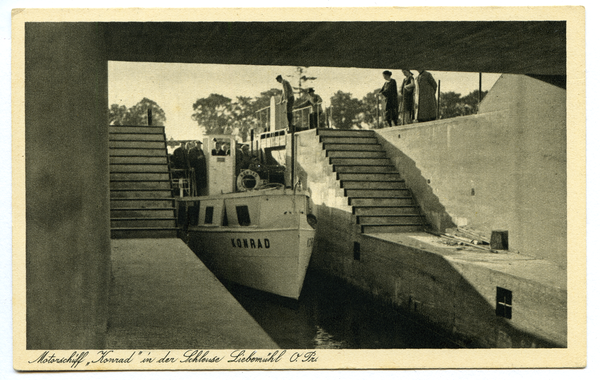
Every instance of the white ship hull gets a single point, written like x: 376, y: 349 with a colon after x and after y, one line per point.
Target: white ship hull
x: 271, y: 254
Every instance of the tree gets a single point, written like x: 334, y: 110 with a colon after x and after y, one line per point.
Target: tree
x: 136, y: 115
x: 345, y: 110
x: 369, y: 112
x: 214, y: 114
x: 453, y: 105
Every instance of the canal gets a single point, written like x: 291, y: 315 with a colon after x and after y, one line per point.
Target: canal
x: 332, y: 314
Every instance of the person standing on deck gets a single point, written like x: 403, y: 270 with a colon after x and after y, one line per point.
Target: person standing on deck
x: 390, y: 93
x: 426, y: 107
x: 287, y: 97
x: 315, y: 102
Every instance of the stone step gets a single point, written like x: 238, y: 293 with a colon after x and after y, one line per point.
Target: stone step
x: 160, y: 176
x: 140, y: 193
x: 141, y: 202
x: 138, y: 159
x: 377, y: 193
x: 136, y: 136
x: 132, y: 212
x: 390, y: 219
x: 368, y: 176
x: 143, y: 233
x: 137, y: 144
x: 361, y: 147
x: 364, y: 169
x: 348, y: 140
x: 393, y: 228
x: 380, y: 185
x: 345, y: 133
x: 360, y: 161
x: 120, y: 151
x: 387, y: 210
x: 143, y: 222
x: 381, y: 202
x: 140, y: 184
x: 356, y: 154
x: 129, y: 168
x: 135, y: 129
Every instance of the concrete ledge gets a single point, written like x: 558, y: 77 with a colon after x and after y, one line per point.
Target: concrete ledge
x: 163, y: 297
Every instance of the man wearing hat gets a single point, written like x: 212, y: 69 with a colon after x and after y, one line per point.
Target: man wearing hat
x: 287, y: 97
x: 198, y: 162
x: 315, y: 102
x: 390, y: 93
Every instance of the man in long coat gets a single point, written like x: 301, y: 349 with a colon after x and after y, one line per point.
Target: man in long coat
x: 390, y: 93
x: 425, y: 103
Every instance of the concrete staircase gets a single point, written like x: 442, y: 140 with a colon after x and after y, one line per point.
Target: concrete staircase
x: 380, y: 200
x: 141, y: 203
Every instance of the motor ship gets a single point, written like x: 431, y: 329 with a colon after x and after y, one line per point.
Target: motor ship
x: 251, y: 228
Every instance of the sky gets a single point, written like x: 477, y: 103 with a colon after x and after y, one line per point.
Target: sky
x: 176, y: 86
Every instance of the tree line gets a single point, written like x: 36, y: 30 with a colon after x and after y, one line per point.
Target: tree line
x: 218, y: 114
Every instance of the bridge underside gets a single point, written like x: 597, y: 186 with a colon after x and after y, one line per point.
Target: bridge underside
x: 517, y: 47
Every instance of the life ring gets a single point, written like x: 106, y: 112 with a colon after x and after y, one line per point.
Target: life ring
x: 248, y: 180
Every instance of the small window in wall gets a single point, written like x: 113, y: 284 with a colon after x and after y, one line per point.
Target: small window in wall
x: 356, y: 251
x: 243, y: 215
x: 503, y: 303
x: 225, y: 221
x: 208, y: 215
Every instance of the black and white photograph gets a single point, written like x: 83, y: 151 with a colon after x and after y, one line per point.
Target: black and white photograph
x: 207, y: 189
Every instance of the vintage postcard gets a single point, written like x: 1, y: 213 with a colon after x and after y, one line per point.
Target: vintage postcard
x: 298, y: 188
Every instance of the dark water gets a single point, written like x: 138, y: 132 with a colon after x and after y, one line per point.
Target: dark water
x: 331, y: 314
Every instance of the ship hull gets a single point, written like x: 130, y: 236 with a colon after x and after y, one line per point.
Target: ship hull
x: 273, y: 261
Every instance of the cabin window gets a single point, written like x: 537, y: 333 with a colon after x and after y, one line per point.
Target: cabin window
x: 243, y: 215
x: 208, y: 215
x: 503, y: 303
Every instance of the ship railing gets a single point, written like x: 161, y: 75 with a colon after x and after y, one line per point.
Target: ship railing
x: 184, y: 182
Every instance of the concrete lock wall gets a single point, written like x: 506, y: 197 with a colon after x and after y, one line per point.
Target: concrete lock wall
x: 503, y: 169
x: 67, y: 185
x: 498, y: 154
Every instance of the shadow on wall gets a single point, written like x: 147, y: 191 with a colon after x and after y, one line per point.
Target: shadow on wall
x: 430, y: 204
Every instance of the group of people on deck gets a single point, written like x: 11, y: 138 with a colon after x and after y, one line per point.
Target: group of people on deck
x: 418, y: 98
x: 189, y: 156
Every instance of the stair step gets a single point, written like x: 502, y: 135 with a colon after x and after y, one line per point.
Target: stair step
x: 140, y: 184
x: 390, y: 219
x: 348, y: 140
x: 138, y: 159
x: 129, y: 168
x: 146, y: 176
x: 356, y: 154
x: 120, y: 151
x: 152, y: 136
x: 392, y: 228
x: 345, y: 133
x: 369, y: 176
x: 143, y: 233
x: 381, y: 202
x: 135, y: 129
x: 143, y: 222
x: 156, y: 144
x: 133, y: 212
x: 141, y: 202
x: 140, y: 193
x: 377, y: 193
x: 360, y: 147
x: 364, y: 169
x: 385, y: 210
x: 360, y: 161
x: 380, y: 185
